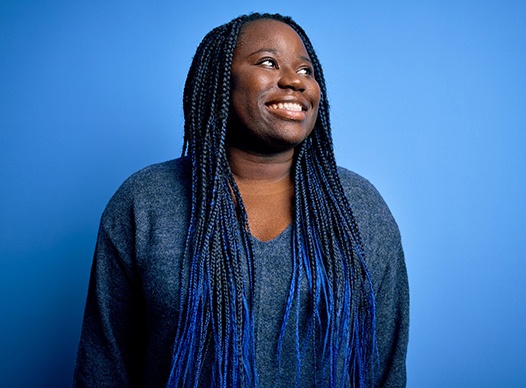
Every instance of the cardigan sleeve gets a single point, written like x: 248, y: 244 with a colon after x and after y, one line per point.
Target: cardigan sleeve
x: 386, y: 264
x: 392, y: 321
x: 112, y: 342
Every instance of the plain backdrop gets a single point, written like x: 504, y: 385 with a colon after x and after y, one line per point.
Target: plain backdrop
x: 428, y: 103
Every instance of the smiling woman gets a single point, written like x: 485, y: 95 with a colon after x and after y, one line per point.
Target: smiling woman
x: 252, y: 260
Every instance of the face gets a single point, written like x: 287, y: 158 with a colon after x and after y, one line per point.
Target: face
x: 274, y: 94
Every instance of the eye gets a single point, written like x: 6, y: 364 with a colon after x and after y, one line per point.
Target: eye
x: 268, y: 62
x: 305, y: 70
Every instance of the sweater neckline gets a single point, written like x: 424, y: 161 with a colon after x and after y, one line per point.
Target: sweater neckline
x: 286, y: 233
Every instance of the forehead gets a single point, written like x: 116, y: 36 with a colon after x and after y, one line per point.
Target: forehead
x: 268, y: 32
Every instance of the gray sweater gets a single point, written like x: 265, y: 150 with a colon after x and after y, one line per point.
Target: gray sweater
x: 133, y: 298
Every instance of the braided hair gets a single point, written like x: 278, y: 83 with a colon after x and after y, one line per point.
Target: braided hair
x: 216, y: 324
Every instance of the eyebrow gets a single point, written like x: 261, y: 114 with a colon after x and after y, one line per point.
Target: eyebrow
x: 275, y: 52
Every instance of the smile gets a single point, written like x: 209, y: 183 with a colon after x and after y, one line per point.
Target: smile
x: 287, y: 106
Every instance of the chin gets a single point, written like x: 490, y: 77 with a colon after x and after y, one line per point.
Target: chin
x: 292, y: 139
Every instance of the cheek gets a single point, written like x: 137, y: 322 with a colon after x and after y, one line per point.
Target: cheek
x: 238, y: 98
x: 316, y: 92
x: 315, y: 98
x: 313, y: 120
x: 242, y: 91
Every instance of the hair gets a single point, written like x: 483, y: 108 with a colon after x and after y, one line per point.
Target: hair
x: 216, y: 323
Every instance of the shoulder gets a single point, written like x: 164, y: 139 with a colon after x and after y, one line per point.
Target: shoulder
x: 356, y: 184
x: 377, y: 226
x: 152, y: 179
x: 363, y: 196
x: 152, y: 189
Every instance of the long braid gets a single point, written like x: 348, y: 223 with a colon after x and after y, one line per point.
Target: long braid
x: 216, y: 322
x: 354, y: 297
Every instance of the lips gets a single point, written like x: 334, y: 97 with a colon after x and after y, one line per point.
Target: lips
x: 290, y: 102
x: 288, y: 109
x: 294, y: 106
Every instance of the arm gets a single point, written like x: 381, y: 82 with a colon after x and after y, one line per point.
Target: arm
x: 392, y: 314
x: 112, y: 344
x: 385, y: 260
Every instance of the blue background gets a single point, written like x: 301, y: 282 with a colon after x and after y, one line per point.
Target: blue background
x: 428, y: 102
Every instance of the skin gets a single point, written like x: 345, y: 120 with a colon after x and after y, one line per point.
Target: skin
x: 270, y: 67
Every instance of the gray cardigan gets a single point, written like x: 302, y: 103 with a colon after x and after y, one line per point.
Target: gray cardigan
x: 133, y: 298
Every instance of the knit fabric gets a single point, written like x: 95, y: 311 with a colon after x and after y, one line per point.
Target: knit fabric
x: 133, y: 298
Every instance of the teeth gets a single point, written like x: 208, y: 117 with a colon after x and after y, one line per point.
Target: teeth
x: 287, y: 106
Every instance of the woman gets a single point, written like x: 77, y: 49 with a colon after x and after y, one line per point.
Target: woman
x: 253, y: 260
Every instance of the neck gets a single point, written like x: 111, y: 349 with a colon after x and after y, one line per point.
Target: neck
x: 249, y: 167
x: 266, y: 188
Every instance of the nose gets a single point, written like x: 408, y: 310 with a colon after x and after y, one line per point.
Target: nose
x: 289, y: 79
